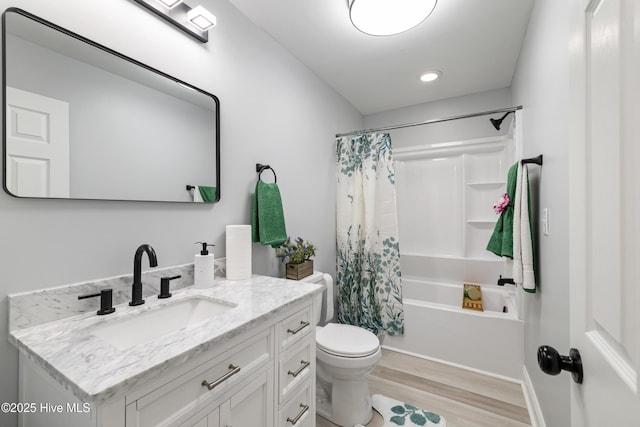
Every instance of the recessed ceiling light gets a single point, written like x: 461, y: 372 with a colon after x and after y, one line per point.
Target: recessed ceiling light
x: 388, y: 17
x: 430, y: 76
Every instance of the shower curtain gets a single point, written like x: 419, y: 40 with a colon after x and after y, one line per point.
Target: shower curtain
x: 368, y: 255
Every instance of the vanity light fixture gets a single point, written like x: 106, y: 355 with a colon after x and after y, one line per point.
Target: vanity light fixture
x: 170, y: 3
x: 194, y: 21
x: 388, y: 17
x: 201, y: 18
x: 430, y: 76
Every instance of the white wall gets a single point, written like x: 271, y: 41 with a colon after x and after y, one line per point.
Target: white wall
x: 541, y: 85
x: 273, y: 110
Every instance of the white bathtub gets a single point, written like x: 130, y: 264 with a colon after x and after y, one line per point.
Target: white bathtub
x: 438, y: 328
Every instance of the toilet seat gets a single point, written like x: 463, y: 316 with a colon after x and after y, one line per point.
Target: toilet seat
x: 346, y: 340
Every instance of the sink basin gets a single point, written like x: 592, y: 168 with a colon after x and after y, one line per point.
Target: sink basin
x: 157, y: 322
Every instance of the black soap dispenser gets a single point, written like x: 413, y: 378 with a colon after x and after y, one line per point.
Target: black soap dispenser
x: 203, y: 270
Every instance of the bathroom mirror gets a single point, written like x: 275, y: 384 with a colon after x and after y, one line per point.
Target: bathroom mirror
x: 85, y: 122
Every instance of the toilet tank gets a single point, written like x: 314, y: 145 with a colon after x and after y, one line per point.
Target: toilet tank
x: 322, y: 299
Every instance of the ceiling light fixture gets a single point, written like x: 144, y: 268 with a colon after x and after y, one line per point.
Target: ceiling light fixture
x: 388, y: 17
x: 430, y: 76
x: 196, y: 22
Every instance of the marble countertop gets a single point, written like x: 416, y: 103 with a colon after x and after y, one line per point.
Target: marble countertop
x: 94, y: 371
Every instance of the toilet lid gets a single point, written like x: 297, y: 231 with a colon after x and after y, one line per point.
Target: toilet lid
x: 346, y: 340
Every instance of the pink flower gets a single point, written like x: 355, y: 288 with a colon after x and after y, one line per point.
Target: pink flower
x: 502, y: 203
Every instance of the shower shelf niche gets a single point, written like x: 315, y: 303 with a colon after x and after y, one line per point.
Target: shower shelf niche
x: 445, y: 194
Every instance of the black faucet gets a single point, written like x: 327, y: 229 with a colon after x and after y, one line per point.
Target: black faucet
x: 502, y: 282
x: 136, y: 288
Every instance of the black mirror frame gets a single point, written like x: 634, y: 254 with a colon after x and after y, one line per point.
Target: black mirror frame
x: 109, y: 51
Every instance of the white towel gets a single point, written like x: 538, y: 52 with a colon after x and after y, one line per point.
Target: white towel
x: 522, y: 245
x: 517, y: 225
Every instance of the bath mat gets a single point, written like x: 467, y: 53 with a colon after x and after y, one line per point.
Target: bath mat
x: 396, y: 413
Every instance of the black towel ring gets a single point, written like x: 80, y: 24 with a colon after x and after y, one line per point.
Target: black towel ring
x: 261, y: 168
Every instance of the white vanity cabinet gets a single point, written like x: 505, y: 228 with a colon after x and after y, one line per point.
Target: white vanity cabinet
x: 262, y: 377
x: 252, y: 405
x: 296, y: 370
x: 207, y: 386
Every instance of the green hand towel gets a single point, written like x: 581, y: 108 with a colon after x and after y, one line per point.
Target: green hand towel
x: 501, y: 241
x: 208, y: 194
x: 268, y: 217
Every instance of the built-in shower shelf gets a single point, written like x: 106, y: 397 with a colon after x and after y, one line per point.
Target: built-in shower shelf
x: 486, y: 184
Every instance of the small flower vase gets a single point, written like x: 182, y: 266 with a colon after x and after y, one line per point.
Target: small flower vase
x: 299, y: 271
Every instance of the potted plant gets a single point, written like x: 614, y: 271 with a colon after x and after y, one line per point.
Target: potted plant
x: 297, y: 255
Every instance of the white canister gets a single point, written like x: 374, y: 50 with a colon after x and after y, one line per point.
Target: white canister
x: 238, y: 252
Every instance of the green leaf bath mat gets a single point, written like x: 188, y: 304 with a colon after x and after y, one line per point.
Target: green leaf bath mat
x: 396, y: 413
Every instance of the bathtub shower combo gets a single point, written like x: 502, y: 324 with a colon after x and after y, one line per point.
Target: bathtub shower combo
x: 438, y: 328
x: 445, y: 194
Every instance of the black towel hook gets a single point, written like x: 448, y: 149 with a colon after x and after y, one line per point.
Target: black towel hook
x: 261, y: 168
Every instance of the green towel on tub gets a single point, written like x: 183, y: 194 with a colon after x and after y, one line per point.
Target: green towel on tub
x: 267, y: 225
x: 501, y: 241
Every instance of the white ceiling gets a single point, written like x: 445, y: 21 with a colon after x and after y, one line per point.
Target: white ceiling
x: 475, y: 43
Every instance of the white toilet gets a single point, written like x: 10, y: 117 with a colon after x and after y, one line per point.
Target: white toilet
x: 345, y: 354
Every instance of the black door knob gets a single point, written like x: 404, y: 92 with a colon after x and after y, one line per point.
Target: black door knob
x: 552, y: 363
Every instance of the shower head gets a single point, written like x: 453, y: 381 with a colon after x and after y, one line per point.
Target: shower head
x: 498, y: 122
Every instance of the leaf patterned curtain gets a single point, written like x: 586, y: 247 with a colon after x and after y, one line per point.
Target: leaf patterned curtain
x: 368, y: 255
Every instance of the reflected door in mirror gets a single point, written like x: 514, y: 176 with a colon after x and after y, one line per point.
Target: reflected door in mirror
x: 37, y: 148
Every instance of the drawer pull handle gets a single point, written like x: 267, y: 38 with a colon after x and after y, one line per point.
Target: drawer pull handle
x: 305, y: 408
x: 303, y: 325
x: 300, y: 369
x: 234, y: 370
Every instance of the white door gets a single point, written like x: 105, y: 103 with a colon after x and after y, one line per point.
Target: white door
x: 37, y: 145
x: 605, y: 210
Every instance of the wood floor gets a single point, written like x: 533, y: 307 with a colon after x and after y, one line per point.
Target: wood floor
x: 463, y: 398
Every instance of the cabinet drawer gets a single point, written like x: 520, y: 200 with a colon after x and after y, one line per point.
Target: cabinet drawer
x: 300, y: 411
x: 296, y: 368
x: 250, y: 406
x: 201, y: 385
x: 295, y: 327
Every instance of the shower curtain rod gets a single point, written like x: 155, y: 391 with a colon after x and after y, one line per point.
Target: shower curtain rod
x: 428, y: 122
